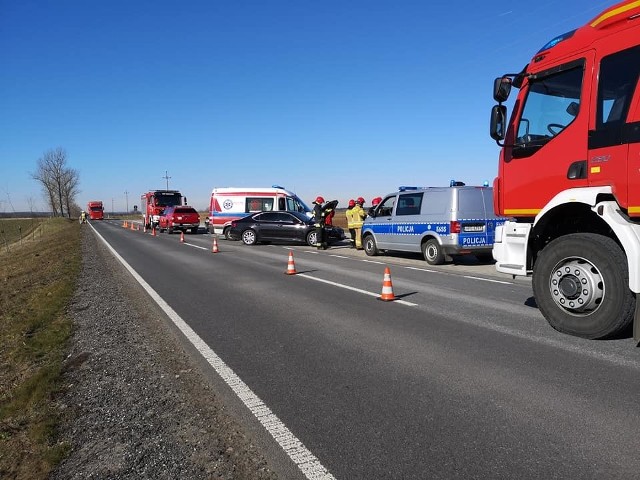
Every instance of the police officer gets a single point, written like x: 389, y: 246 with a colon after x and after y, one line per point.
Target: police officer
x: 350, y: 224
x: 359, y: 215
x: 319, y: 218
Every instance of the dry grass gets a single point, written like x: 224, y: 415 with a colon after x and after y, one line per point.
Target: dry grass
x: 38, y: 276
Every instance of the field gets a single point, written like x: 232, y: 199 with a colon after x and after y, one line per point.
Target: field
x: 40, y: 261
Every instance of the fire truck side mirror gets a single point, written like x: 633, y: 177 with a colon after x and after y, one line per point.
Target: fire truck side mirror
x: 185, y: 200
x: 497, y: 127
x: 501, y: 89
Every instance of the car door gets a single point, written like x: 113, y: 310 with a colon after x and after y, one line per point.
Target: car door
x: 268, y: 226
x: 291, y: 227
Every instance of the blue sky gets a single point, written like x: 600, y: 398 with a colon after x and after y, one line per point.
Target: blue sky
x: 337, y: 98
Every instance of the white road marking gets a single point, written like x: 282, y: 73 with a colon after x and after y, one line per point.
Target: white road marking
x: 487, y: 280
x: 294, y: 448
x: 195, y: 246
x: 354, y: 289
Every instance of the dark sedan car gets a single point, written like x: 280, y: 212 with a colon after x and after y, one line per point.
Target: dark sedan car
x: 279, y: 227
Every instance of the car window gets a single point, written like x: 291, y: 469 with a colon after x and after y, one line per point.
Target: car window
x: 266, y: 217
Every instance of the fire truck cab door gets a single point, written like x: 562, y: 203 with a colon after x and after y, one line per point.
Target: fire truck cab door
x: 614, y: 136
x: 546, y: 148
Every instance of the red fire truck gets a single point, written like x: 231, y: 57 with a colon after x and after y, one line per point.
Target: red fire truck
x: 95, y: 210
x: 154, y: 202
x: 569, y: 176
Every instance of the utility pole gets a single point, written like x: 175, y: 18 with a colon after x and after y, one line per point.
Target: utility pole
x: 112, y: 206
x: 166, y: 177
x: 126, y: 193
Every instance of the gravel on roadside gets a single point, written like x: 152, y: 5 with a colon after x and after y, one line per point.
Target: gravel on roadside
x: 134, y: 405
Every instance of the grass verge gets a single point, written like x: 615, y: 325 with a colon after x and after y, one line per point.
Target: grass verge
x: 38, y: 276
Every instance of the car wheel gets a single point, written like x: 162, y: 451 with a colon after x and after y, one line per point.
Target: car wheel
x: 312, y: 238
x: 249, y: 237
x: 432, y: 252
x: 369, y: 245
x: 581, y: 285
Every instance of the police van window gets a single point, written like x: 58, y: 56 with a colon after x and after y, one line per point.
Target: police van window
x: 471, y: 203
x: 255, y: 204
x: 618, y: 79
x: 436, y: 202
x: 386, y: 207
x: 409, y: 204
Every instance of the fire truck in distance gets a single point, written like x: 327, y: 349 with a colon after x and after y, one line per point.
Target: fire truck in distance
x: 95, y: 210
x: 569, y: 176
x: 154, y: 202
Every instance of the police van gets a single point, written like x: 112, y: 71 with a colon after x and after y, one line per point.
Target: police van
x: 436, y: 221
x: 232, y: 203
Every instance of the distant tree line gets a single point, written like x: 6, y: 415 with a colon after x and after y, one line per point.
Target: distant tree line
x: 59, y: 183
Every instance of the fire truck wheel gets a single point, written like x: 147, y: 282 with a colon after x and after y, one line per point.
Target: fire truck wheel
x: 169, y: 229
x: 432, y: 252
x: 249, y: 237
x: 581, y: 285
x: 369, y: 245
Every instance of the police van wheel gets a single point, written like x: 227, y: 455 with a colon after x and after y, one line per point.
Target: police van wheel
x: 249, y: 237
x: 581, y: 285
x: 432, y: 252
x: 369, y: 245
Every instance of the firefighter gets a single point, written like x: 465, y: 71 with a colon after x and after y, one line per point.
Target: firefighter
x: 374, y: 204
x: 358, y: 215
x: 319, y: 219
x: 349, y: 215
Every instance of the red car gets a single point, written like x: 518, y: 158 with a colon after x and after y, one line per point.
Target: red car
x: 179, y: 218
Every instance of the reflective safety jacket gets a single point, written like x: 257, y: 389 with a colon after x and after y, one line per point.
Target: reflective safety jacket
x: 358, y: 214
x: 350, y: 219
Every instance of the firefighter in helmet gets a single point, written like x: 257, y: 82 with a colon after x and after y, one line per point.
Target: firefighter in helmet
x: 319, y: 222
x: 374, y: 204
x: 359, y: 215
x: 350, y: 224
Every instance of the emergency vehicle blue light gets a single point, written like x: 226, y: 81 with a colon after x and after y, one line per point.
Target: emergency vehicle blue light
x: 405, y: 188
x: 485, y: 183
x: 277, y: 186
x: 557, y: 40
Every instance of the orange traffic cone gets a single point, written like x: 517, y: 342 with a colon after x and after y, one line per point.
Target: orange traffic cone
x: 181, y: 237
x: 291, y: 266
x: 133, y: 227
x: 153, y: 231
x: 387, y: 287
x: 144, y: 227
x: 214, y: 249
x: 125, y: 224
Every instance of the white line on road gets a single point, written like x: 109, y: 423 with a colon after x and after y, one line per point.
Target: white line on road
x: 294, y: 448
x: 354, y: 289
x: 487, y: 280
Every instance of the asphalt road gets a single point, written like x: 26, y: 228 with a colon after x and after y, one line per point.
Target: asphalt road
x: 461, y: 378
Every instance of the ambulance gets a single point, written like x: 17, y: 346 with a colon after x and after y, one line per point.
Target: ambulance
x: 232, y: 203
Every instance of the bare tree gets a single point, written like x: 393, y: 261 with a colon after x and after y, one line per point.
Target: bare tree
x: 59, y: 183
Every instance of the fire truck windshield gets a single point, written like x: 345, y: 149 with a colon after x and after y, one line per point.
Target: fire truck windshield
x: 552, y: 103
x: 164, y: 199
